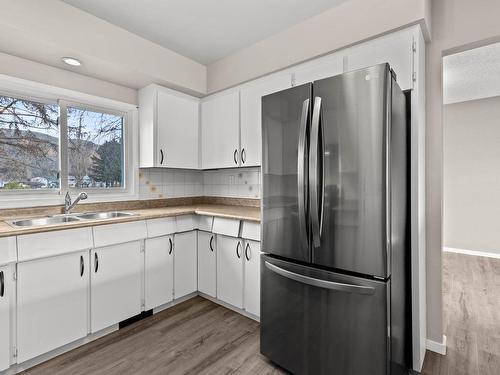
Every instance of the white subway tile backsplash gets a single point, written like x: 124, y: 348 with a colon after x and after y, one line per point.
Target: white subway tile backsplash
x: 169, y: 183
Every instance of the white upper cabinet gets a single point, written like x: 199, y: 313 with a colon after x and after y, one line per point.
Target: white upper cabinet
x: 6, y: 287
x: 52, y: 303
x: 169, y: 123
x: 396, y: 49
x: 251, y: 115
x: 220, y: 129
x: 320, y: 68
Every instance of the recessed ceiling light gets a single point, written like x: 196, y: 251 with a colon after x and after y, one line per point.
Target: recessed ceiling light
x: 71, y: 61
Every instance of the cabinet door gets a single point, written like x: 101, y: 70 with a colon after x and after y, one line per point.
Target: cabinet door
x: 207, y: 264
x: 395, y: 49
x: 230, y: 270
x: 252, y: 277
x: 116, y: 283
x: 220, y: 127
x: 159, y: 271
x: 52, y: 303
x: 251, y: 116
x: 185, y: 278
x: 316, y: 69
x: 6, y: 285
x: 177, y: 130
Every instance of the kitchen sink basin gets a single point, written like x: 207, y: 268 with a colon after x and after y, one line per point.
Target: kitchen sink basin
x: 103, y: 215
x: 44, y: 221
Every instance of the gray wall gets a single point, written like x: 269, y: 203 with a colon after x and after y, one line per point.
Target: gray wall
x: 472, y: 175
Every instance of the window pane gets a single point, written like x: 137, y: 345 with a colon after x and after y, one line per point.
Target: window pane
x: 29, y: 144
x: 95, y: 149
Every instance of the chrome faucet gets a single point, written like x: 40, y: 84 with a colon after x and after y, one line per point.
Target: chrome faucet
x: 68, y: 206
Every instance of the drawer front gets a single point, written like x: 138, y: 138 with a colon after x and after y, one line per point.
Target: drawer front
x: 161, y: 227
x: 250, y: 230
x: 227, y: 227
x: 7, y: 250
x: 205, y: 222
x: 41, y: 245
x: 105, y: 235
x: 186, y: 223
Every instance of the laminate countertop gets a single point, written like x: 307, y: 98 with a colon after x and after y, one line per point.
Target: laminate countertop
x: 217, y: 210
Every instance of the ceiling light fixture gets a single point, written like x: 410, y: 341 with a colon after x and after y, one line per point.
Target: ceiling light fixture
x: 71, y: 61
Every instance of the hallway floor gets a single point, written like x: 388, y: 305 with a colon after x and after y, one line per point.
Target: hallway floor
x: 471, y: 302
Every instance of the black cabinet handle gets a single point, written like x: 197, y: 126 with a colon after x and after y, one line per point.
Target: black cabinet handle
x: 238, y: 250
x: 235, y: 155
x: 82, y: 266
x: 211, y: 243
x: 243, y: 156
x: 171, y: 246
x: 161, y: 153
x: 96, y: 262
x: 2, y: 284
x: 248, y: 252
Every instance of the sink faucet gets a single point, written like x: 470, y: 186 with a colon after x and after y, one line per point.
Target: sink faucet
x: 68, y: 206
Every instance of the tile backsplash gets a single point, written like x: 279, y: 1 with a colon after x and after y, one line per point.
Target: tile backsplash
x: 174, y: 183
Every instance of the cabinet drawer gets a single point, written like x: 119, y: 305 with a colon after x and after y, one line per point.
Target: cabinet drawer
x: 7, y: 250
x: 205, y: 223
x: 228, y: 227
x: 186, y: 223
x: 250, y: 230
x: 41, y: 245
x: 105, y: 235
x: 161, y: 227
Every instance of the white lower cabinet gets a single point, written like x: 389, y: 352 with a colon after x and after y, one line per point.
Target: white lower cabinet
x: 185, y: 275
x: 207, y: 263
x: 52, y: 303
x: 116, y: 282
x: 252, y: 277
x: 159, y: 271
x: 6, y: 284
x: 230, y: 270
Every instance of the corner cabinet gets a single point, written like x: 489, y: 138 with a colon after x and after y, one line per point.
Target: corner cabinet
x: 220, y: 130
x: 185, y: 275
x: 251, y: 115
x: 168, y: 123
x: 207, y: 263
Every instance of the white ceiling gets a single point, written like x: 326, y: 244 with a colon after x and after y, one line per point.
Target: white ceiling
x: 471, y: 75
x: 204, y: 30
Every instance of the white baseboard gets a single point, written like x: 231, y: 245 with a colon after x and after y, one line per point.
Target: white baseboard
x: 437, y: 347
x: 471, y: 252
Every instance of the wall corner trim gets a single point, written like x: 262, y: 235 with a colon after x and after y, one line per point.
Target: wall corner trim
x: 437, y: 347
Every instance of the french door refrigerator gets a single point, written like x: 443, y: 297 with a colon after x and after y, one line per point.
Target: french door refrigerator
x: 334, y: 231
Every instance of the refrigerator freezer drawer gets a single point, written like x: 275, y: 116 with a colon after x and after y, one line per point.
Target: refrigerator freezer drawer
x: 319, y: 322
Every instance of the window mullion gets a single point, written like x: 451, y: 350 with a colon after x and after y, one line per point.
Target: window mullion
x: 63, y: 147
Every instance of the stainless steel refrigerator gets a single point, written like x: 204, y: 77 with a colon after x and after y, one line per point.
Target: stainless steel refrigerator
x: 334, y: 286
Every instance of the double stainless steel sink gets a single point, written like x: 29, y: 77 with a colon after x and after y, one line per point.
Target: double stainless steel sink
x: 68, y: 218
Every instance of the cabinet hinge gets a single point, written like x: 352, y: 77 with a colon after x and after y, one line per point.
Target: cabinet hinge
x: 414, y: 47
x: 143, y: 247
x: 293, y: 80
x: 14, y: 275
x: 143, y: 304
x: 414, y: 77
x: 14, y: 352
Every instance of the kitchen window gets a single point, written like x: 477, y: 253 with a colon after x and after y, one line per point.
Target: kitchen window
x: 56, y: 145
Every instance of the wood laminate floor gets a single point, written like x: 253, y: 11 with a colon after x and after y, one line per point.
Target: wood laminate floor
x: 471, y: 302
x: 194, y: 337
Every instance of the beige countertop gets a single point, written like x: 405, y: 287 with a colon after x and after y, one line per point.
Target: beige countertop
x: 217, y: 210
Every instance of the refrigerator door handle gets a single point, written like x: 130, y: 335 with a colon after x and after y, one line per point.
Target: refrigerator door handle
x: 301, y: 174
x: 316, y: 197
x: 341, y: 287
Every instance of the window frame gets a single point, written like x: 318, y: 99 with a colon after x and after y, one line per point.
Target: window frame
x: 42, y: 93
